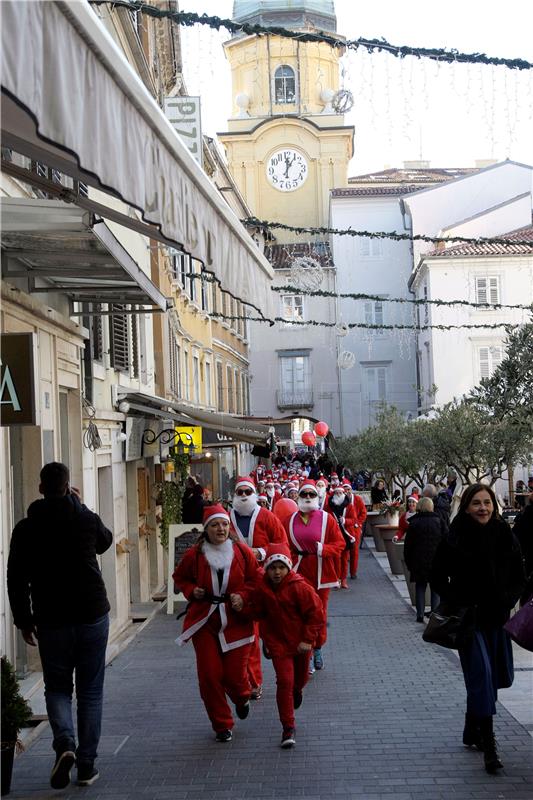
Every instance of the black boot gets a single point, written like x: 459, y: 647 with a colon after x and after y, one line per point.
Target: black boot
x: 490, y: 753
x: 471, y: 732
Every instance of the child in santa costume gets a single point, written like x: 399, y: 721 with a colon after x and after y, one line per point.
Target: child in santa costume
x: 291, y: 620
x: 217, y: 575
x: 257, y: 527
x: 360, y: 517
x: 316, y: 546
x: 344, y: 512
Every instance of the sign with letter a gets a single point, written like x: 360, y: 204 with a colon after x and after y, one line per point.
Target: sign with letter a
x: 183, y: 113
x: 17, y: 379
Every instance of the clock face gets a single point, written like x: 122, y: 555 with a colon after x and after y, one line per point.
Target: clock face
x: 287, y: 170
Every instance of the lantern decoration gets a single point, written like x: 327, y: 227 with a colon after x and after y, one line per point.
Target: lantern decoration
x: 306, y: 273
x: 342, y: 329
x: 309, y: 438
x: 346, y: 359
x: 342, y: 101
x: 321, y: 429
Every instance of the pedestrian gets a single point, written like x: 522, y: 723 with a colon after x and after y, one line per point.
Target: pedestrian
x: 216, y: 575
x: 403, y: 522
x: 193, y: 506
x: 360, y: 517
x: 59, y: 602
x: 441, y: 502
x: 316, y: 545
x: 291, y: 620
x: 478, y: 565
x: 257, y: 527
x: 322, y: 490
x: 378, y: 494
x: 523, y: 530
x: 424, y: 533
x: 340, y: 505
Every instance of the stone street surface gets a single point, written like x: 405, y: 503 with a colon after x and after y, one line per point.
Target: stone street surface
x: 383, y: 720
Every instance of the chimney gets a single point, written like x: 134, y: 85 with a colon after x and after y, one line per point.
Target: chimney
x: 480, y: 163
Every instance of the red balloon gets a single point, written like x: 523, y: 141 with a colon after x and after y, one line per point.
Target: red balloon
x: 321, y: 429
x: 284, y: 509
x: 309, y: 438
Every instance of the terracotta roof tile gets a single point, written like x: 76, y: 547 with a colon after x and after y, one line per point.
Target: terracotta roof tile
x: 375, y: 191
x: 490, y: 249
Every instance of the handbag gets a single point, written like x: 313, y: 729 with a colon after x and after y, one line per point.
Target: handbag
x: 520, y: 626
x: 450, y: 626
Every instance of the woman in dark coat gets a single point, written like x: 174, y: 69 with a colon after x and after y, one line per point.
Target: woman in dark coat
x: 378, y: 494
x: 193, y: 506
x: 479, y: 566
x: 424, y: 533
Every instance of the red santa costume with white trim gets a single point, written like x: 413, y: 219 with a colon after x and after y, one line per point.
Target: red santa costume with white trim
x: 257, y: 527
x: 342, y: 509
x: 360, y: 514
x: 316, y: 545
x: 221, y: 637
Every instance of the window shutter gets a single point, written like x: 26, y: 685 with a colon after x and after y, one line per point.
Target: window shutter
x: 484, y: 362
x: 369, y: 319
x: 135, y: 351
x: 382, y: 384
x: 364, y: 247
x: 378, y: 311
x: 481, y: 290
x: 496, y: 353
x: 220, y: 387
x: 494, y: 293
x: 119, y: 338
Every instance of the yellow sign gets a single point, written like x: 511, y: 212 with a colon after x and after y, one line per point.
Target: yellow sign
x: 189, y: 435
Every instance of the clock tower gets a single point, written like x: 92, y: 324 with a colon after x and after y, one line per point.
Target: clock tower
x: 287, y: 145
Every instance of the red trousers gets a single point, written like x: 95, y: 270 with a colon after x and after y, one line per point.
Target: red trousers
x: 350, y: 556
x: 255, y: 673
x: 220, y: 674
x: 324, y: 598
x: 292, y: 672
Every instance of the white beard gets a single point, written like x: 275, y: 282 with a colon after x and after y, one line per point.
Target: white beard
x: 321, y: 491
x: 245, y: 504
x: 336, y: 500
x: 307, y: 504
x: 270, y: 492
x: 218, y: 556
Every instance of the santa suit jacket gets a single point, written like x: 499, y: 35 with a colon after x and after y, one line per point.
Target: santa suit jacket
x: 360, y: 509
x: 241, y: 578
x: 288, y: 614
x: 348, y: 519
x: 321, y: 570
x: 265, y: 528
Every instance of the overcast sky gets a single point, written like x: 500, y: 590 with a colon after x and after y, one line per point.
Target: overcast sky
x: 411, y: 108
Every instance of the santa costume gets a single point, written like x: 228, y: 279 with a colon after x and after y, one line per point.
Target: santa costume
x: 322, y: 490
x: 291, y: 620
x: 360, y: 516
x: 257, y: 527
x: 222, y: 638
x: 316, y: 546
x: 344, y: 512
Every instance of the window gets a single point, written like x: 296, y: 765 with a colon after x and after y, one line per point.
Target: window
x: 489, y: 358
x: 186, y: 376
x: 374, y: 389
x: 119, y: 338
x: 374, y: 313
x: 203, y: 286
x: 238, y: 394
x: 295, y: 377
x: 192, y: 279
x: 229, y: 378
x: 196, y: 379
x: 96, y: 331
x: 488, y: 290
x: 244, y: 389
x: 284, y: 85
x: 174, y: 357
x: 220, y: 387
x: 370, y: 248
x: 292, y: 308
x: 207, y: 383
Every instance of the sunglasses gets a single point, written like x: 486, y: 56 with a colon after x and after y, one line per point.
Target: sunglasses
x: 308, y: 494
x: 243, y: 492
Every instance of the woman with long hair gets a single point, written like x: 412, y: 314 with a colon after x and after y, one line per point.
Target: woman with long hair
x: 479, y: 566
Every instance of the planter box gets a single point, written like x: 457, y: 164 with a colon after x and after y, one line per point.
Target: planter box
x: 374, y: 520
x: 394, y: 551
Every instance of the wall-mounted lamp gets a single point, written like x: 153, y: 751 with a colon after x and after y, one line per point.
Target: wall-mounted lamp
x: 123, y: 406
x: 120, y: 436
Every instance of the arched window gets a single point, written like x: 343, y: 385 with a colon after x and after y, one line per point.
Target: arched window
x: 284, y: 85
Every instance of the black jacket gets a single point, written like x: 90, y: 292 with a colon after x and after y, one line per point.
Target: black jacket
x: 378, y: 495
x: 441, y: 505
x: 53, y: 577
x: 422, y: 538
x: 479, y: 566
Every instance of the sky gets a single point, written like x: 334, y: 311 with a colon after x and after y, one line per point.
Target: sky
x: 406, y: 109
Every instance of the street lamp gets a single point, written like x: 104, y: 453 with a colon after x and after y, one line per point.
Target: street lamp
x: 180, y: 440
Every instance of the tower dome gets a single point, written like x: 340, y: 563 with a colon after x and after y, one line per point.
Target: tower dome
x: 292, y: 14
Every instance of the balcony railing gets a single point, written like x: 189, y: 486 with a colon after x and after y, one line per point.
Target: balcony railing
x: 292, y: 399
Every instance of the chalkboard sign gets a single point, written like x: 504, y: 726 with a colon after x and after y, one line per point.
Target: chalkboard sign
x: 180, y: 538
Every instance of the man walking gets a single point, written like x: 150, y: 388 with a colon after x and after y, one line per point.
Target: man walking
x: 59, y: 601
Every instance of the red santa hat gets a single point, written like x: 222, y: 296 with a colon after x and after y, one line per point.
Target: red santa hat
x: 306, y: 483
x: 346, y: 483
x: 334, y: 475
x: 323, y: 479
x: 277, y: 551
x: 214, y: 512
x: 245, y: 482
x: 262, y: 497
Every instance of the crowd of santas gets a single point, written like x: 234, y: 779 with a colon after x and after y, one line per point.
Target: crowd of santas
x: 264, y: 570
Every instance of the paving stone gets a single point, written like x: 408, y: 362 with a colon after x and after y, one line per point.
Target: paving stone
x: 382, y: 721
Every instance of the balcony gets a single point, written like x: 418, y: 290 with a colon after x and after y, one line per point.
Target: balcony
x: 287, y: 399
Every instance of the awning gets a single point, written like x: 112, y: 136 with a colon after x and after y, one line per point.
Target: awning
x: 184, y: 414
x: 71, y: 100
x: 73, y: 253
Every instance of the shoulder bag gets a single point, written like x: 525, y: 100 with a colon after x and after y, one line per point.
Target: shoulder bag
x: 449, y: 626
x: 520, y: 626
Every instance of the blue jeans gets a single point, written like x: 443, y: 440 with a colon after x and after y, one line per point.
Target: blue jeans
x: 420, y: 598
x: 78, y: 650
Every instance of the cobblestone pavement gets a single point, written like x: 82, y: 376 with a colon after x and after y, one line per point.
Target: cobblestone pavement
x: 383, y: 720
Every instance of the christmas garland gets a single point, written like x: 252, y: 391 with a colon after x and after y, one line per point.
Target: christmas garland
x: 371, y: 45
x: 316, y: 323
x: 265, y: 225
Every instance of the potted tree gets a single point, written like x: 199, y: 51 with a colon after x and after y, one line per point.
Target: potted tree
x: 16, y: 713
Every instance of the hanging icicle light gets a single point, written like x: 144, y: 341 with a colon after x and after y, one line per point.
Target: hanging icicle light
x: 346, y: 359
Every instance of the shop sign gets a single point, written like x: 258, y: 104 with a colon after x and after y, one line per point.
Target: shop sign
x: 183, y: 113
x: 17, y: 379
x: 215, y: 437
x: 190, y: 435
x: 134, y: 443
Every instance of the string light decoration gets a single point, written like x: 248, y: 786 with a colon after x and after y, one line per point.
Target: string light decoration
x: 342, y: 329
x: 306, y: 273
x: 346, y: 359
x: 186, y: 18
x: 342, y: 101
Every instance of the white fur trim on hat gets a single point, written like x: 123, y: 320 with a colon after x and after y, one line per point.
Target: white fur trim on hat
x: 216, y: 515
x: 245, y: 482
x: 307, y: 485
x: 278, y: 557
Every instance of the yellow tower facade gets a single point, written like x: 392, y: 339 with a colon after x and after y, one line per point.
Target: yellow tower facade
x: 287, y: 145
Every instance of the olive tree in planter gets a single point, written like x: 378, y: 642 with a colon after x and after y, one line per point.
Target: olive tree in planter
x: 16, y: 713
